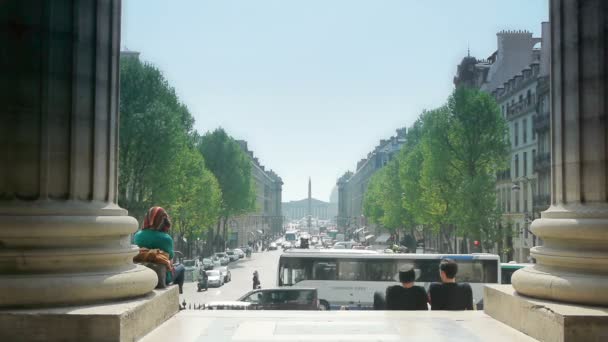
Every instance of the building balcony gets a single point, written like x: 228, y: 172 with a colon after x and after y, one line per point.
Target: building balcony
x: 521, y: 107
x: 503, y: 175
x: 542, y: 162
x: 541, y: 122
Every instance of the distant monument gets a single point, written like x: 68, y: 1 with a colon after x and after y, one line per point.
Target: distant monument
x: 309, y: 212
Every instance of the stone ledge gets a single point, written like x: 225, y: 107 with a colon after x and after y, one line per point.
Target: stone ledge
x: 126, y: 320
x: 545, y: 320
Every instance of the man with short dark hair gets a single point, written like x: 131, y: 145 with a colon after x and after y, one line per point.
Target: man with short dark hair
x: 449, y: 295
x: 406, y: 296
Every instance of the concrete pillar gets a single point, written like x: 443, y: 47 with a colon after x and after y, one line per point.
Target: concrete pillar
x: 573, y: 262
x: 63, y: 238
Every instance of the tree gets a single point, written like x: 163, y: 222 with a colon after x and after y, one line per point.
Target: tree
x: 232, y: 169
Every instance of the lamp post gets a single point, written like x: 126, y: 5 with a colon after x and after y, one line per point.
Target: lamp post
x: 528, y: 216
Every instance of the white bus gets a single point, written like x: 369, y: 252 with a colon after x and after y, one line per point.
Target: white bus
x: 350, y: 277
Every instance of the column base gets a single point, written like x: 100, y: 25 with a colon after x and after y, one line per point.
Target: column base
x: 561, y: 285
x: 59, y: 289
x: 545, y: 320
x: 127, y: 320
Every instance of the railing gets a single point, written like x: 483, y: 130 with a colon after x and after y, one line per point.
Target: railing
x: 541, y: 122
x: 542, y: 161
x: 521, y: 107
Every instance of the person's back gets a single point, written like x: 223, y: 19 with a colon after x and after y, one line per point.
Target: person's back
x: 449, y: 295
x: 406, y: 296
x: 401, y: 298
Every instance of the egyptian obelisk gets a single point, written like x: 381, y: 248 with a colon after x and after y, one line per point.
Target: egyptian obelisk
x: 309, y: 213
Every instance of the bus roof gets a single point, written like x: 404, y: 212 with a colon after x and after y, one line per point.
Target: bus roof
x: 354, y: 254
x: 514, y: 265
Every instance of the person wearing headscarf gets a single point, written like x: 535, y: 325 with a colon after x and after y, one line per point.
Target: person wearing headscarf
x: 154, y: 235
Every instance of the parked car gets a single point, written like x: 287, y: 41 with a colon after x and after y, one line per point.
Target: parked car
x: 272, y: 246
x: 214, y: 278
x: 216, y: 262
x: 239, y: 252
x: 224, y: 259
x: 232, y: 255
x: 287, y: 245
x: 283, y: 299
x: 208, y: 264
x: 225, y: 273
x: 192, y: 268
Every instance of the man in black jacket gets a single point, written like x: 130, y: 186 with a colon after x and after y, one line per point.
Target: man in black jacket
x: 406, y: 296
x: 449, y: 295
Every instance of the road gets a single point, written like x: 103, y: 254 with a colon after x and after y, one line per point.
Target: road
x: 265, y: 263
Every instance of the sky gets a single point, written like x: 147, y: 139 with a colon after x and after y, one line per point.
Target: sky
x: 313, y: 85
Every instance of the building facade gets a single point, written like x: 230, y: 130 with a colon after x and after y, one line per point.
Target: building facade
x: 517, y: 77
x: 267, y: 218
x: 298, y: 210
x: 353, y: 185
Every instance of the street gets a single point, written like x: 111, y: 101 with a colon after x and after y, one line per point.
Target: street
x: 265, y: 263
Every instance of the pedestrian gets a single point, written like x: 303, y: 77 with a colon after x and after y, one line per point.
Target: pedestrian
x: 256, y: 280
x: 450, y: 295
x: 406, y: 296
x: 156, y: 245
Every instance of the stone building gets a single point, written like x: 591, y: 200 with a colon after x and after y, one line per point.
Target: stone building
x: 267, y: 218
x: 297, y: 210
x: 352, y: 186
x: 512, y: 74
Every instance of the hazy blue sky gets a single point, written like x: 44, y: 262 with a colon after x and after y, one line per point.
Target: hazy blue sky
x: 313, y: 85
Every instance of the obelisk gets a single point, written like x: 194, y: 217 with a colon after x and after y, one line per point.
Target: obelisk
x: 309, y: 213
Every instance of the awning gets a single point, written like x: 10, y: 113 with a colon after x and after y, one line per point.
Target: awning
x: 383, y: 238
x: 367, y: 237
x: 261, y: 232
x: 358, y: 230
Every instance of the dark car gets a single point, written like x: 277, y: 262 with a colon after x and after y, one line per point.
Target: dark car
x: 283, y: 299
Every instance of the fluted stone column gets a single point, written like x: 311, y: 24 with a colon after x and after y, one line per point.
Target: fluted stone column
x: 573, y: 263
x: 63, y: 238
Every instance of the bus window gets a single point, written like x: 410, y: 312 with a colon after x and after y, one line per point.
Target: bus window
x: 351, y: 270
x: 324, y: 270
x: 293, y: 272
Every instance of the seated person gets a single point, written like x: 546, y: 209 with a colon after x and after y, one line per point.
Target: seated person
x: 154, y: 236
x: 449, y: 295
x: 379, y: 302
x: 406, y: 296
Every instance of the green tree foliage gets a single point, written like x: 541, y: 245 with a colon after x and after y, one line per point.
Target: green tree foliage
x: 444, y: 176
x: 159, y: 160
x: 232, y: 168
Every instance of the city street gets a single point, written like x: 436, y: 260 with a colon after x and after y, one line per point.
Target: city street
x: 265, y: 263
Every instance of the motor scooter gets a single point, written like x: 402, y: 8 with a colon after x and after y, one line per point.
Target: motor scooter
x: 202, y: 282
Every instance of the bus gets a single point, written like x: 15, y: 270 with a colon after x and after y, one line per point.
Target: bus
x: 349, y: 278
x: 507, y: 270
x: 291, y: 236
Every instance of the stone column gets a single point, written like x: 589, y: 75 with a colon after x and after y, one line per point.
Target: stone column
x: 63, y: 238
x: 573, y: 262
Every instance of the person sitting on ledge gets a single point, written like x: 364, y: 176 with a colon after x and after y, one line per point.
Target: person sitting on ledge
x: 406, y: 296
x: 449, y: 295
x: 156, y: 245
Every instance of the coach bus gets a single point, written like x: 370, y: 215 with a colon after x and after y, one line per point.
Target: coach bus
x: 349, y: 278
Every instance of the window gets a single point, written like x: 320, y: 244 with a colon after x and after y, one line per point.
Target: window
x: 529, y: 97
x: 525, y: 171
x: 524, y: 127
x: 533, y: 130
x: 533, y: 159
x: 516, y: 165
x: 516, y: 133
x: 517, y: 195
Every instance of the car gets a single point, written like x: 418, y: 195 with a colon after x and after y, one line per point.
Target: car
x: 192, y: 269
x: 283, y: 299
x: 214, y: 278
x: 239, y: 252
x: 228, y: 305
x: 208, y: 264
x: 225, y: 273
x: 232, y: 255
x: 286, y: 245
x: 223, y: 258
x: 216, y: 262
x: 272, y: 246
x: 346, y: 244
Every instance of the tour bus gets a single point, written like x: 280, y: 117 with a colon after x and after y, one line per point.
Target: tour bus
x: 291, y: 236
x: 349, y: 278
